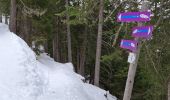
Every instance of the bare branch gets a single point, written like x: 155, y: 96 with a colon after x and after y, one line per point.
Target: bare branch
x: 117, y: 34
x: 30, y: 11
x: 117, y: 8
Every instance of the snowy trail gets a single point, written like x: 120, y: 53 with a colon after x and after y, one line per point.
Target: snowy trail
x: 22, y: 77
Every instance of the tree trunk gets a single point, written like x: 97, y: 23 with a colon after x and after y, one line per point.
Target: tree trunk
x: 78, y: 61
x: 68, y: 34
x: 83, y: 53
x: 99, y: 44
x: 63, y: 46
x: 82, y: 60
x: 6, y: 19
x: 56, y: 41
x: 169, y: 89
x: 20, y: 24
x: 0, y: 17
x: 46, y: 46
x: 26, y: 29
x: 12, y: 24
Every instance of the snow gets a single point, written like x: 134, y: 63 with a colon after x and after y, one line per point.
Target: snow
x: 25, y: 76
x: 19, y: 74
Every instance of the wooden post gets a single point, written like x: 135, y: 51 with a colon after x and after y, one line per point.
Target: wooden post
x: 133, y: 66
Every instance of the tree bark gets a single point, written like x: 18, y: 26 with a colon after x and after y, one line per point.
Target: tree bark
x: 0, y: 17
x: 26, y: 29
x: 68, y: 34
x: 169, y: 89
x: 6, y: 19
x: 82, y: 60
x: 83, y: 53
x: 78, y: 61
x: 46, y: 46
x: 12, y: 24
x: 56, y: 41
x: 99, y: 44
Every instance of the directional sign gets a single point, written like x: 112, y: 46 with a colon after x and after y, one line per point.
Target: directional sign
x: 142, y: 32
x: 134, y: 16
x: 129, y: 44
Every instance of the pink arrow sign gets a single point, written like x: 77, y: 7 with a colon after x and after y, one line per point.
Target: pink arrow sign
x: 129, y: 44
x: 142, y: 32
x: 134, y: 16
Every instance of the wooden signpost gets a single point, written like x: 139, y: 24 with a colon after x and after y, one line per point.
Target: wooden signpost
x: 140, y: 32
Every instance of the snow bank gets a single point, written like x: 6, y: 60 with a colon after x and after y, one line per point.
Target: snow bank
x: 19, y: 75
x: 22, y: 77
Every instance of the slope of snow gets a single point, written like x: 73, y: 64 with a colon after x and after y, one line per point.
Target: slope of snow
x: 19, y: 74
x: 25, y: 77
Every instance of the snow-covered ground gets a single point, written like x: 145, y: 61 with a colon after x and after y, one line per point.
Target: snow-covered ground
x: 23, y: 76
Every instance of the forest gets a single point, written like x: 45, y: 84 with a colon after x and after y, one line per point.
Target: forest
x: 87, y: 34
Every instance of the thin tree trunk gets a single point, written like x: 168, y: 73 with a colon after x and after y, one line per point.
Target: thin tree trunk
x: 63, y: 46
x: 78, y: 61
x: 26, y: 29
x: 83, y: 53
x: 82, y: 60
x: 169, y: 89
x: 99, y: 45
x: 6, y: 19
x: 0, y: 17
x: 56, y: 41
x: 56, y: 48
x: 20, y: 24
x: 12, y: 25
x: 46, y: 46
x: 68, y: 34
x: 117, y: 35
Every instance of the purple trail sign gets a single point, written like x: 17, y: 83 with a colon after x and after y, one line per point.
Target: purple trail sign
x: 134, y: 16
x: 142, y: 32
x: 129, y: 44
